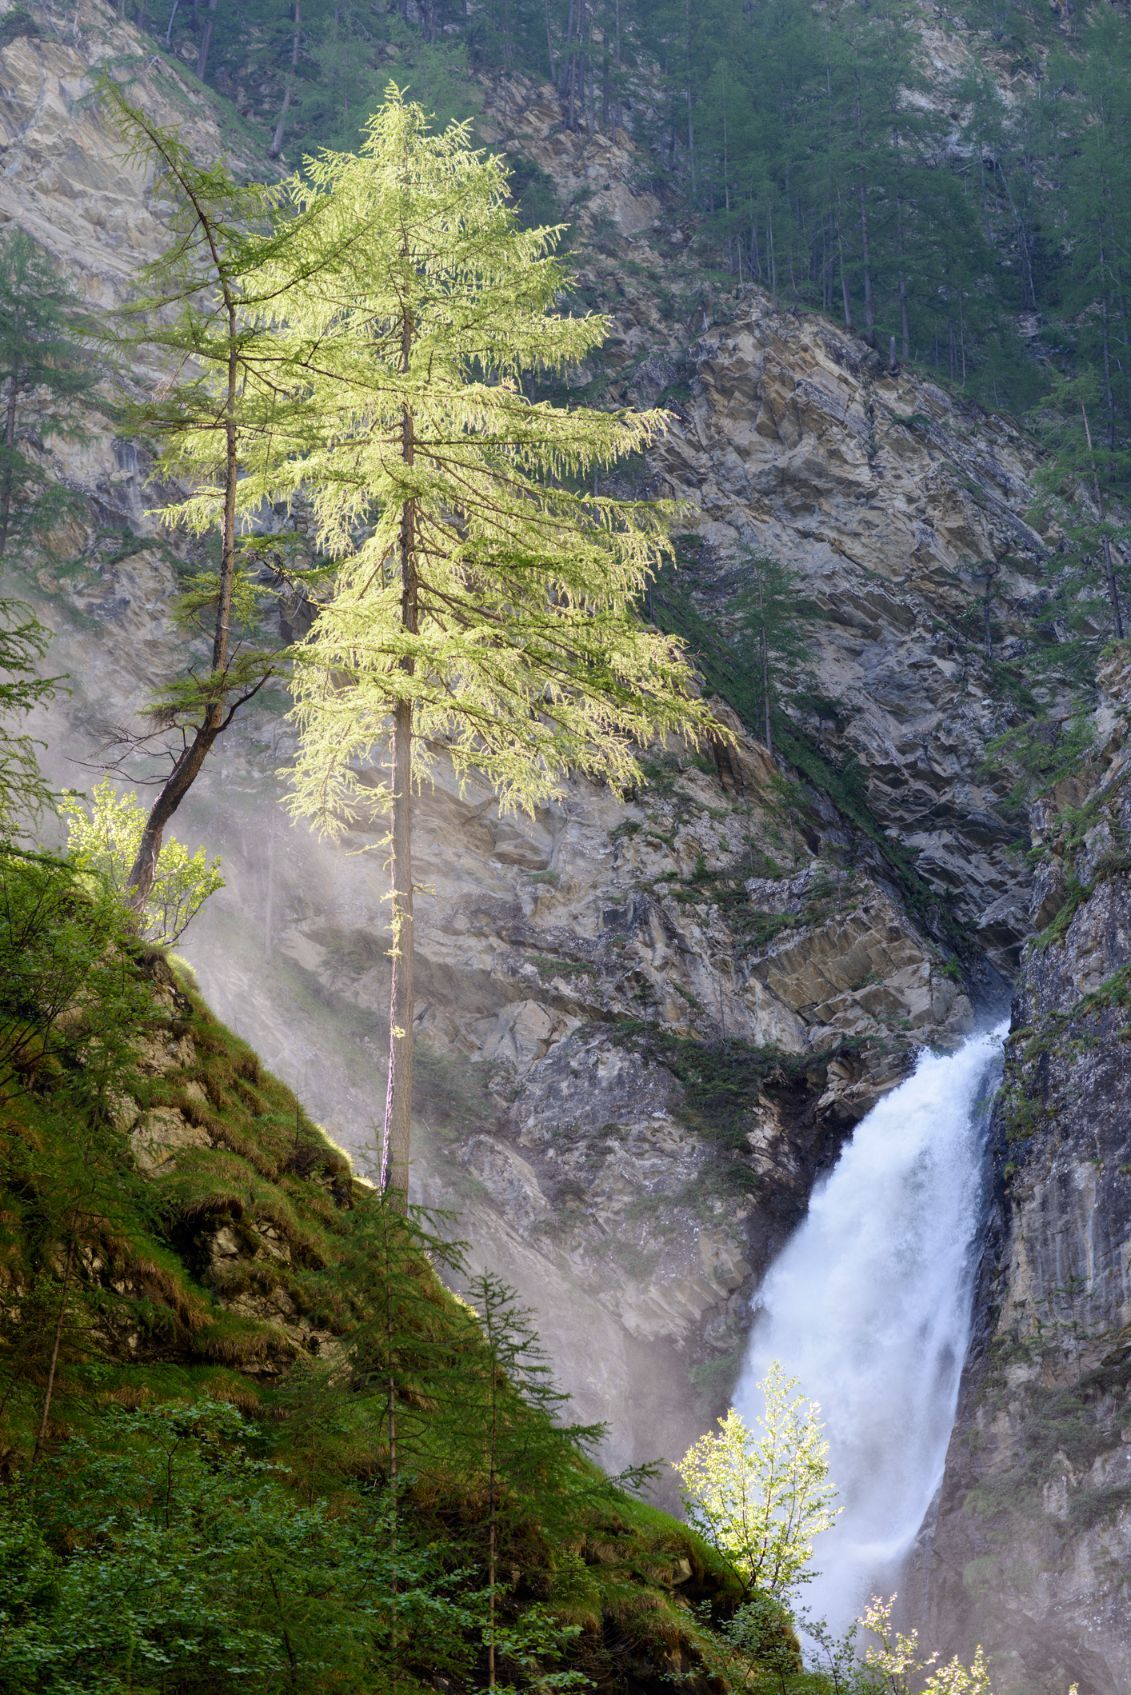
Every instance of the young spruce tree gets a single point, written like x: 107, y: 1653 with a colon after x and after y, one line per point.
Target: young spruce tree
x: 484, y: 609
x: 23, y: 792
x: 527, y: 1467
x: 774, y: 641
x: 1080, y: 485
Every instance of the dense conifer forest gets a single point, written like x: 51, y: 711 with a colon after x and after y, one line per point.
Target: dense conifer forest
x: 969, y: 214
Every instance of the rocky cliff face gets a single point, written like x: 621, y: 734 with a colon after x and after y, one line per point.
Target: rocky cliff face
x: 646, y: 1026
x: 902, y: 511
x: 903, y: 515
x: 1033, y: 1547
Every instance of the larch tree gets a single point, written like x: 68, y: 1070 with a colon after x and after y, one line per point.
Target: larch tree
x: 197, y: 312
x: 485, y: 608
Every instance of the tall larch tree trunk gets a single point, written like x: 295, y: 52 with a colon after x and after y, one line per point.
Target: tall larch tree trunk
x: 550, y: 61
x: 866, y: 265
x: 288, y: 93
x: 1101, y: 506
x: 7, y: 494
x: 904, y: 318
x: 397, y: 1136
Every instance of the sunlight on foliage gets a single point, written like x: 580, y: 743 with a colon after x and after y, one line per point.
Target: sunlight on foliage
x: 103, y: 841
x: 902, y: 1668
x: 761, y: 1496
x: 483, y: 581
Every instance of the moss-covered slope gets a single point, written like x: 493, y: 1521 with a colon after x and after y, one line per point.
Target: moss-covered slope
x: 195, y: 1285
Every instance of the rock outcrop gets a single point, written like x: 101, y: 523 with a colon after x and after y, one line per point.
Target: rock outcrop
x: 1032, y: 1551
x: 903, y: 515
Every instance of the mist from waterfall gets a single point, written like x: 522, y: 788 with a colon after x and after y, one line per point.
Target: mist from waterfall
x: 869, y: 1304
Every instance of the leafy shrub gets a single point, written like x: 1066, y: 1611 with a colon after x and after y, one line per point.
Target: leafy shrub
x: 104, y: 842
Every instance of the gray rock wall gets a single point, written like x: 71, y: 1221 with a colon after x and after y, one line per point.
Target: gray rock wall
x: 1032, y: 1551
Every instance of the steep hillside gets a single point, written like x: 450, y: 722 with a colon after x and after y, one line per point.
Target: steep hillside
x: 240, y: 1414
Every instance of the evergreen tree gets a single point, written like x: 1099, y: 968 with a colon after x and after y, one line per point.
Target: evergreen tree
x: 805, y: 142
x: 44, y: 371
x: 524, y: 1462
x: 773, y: 621
x: 23, y: 645
x: 197, y: 308
x: 482, y: 607
x: 414, y: 1373
x: 1082, y: 484
x: 1093, y: 211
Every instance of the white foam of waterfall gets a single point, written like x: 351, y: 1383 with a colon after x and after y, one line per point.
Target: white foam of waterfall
x: 868, y: 1305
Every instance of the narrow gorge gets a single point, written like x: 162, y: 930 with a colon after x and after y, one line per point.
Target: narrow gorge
x: 810, y: 1048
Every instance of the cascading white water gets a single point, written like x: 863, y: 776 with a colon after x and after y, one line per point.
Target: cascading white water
x: 868, y: 1305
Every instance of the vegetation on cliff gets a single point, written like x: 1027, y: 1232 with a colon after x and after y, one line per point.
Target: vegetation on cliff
x: 249, y: 1439
x: 951, y: 187
x: 45, y: 376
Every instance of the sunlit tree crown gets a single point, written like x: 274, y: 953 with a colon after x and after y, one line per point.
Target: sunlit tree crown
x: 477, y: 579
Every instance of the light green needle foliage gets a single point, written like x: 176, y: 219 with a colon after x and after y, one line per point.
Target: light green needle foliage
x: 485, y: 604
x: 761, y: 1496
x: 195, y: 313
x: 478, y: 583
x: 191, y: 313
x: 103, y: 841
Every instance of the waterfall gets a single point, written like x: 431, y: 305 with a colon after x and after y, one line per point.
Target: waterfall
x: 868, y: 1305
